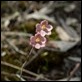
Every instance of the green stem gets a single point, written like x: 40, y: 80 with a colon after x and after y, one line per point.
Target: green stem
x: 24, y: 64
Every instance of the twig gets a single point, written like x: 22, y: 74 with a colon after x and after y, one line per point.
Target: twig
x: 76, y: 59
x: 26, y: 71
x: 6, y: 79
x: 18, y: 68
x: 29, y: 78
x: 12, y: 75
x: 8, y: 74
x: 15, y: 75
x: 22, y: 79
x: 73, y: 71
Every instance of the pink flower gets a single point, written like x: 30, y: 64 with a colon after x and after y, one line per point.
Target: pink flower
x: 44, y: 28
x: 38, y: 41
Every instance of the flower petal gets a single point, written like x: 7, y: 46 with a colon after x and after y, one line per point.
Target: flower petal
x: 38, y: 28
x: 32, y: 40
x: 49, y: 33
x: 50, y: 27
x: 43, y: 45
x: 37, y: 34
x: 44, y: 41
x: 37, y: 25
x: 44, y: 22
x: 32, y: 37
x: 43, y: 33
x: 37, y: 46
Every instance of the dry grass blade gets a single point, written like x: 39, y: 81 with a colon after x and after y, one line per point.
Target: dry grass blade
x: 26, y: 71
x: 73, y: 71
x: 15, y: 48
x: 18, y: 68
x: 16, y: 34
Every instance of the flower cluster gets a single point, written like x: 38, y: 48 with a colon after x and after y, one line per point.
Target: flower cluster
x: 42, y: 29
